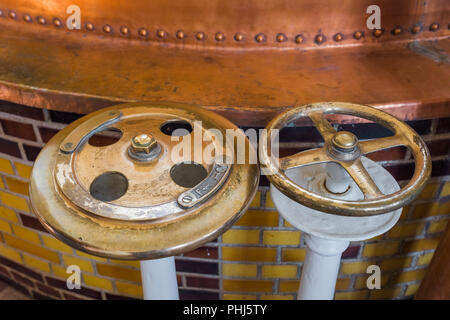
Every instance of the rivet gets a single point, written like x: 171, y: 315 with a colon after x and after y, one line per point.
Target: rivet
x: 107, y: 28
x: 27, y: 18
x: 260, y: 37
x: 358, y: 35
x: 12, y: 15
x: 200, y: 35
x: 416, y: 29
x: 338, y: 37
x: 319, y: 39
x: 124, y: 30
x: 281, y: 37
x: 1, y: 13
x: 143, y: 32
x: 41, y: 20
x: 299, y: 39
x: 89, y: 26
x: 238, y: 37
x: 434, y: 26
x: 57, y: 23
x: 397, y: 31
x: 378, y: 32
x: 180, y: 34
x: 161, y: 34
x: 220, y: 36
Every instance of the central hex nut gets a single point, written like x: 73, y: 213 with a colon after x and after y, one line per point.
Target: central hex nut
x: 144, y: 147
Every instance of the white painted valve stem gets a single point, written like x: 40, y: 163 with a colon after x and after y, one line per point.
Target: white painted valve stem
x: 159, y: 279
x: 321, y: 267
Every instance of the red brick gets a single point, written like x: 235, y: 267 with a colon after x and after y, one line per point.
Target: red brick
x: 201, y: 282
x: 397, y: 153
x: 10, y: 147
x: 186, y: 294
x: 203, y: 252
x: 31, y: 151
x: 19, y: 130
x: 22, y: 111
x: 47, y: 133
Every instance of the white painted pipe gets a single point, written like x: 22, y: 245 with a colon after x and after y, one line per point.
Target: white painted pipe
x: 321, y: 267
x: 159, y: 279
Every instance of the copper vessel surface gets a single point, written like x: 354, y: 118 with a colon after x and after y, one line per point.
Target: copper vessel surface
x: 246, y: 60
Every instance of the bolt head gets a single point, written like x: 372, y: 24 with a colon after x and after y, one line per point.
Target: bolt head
x: 143, y: 143
x: 344, y: 141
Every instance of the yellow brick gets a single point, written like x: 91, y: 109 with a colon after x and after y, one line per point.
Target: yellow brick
x: 445, y: 190
x: 429, y: 209
x: 396, y: 263
x: 429, y: 191
x: 84, y: 265
x: 405, y: 212
x: 14, y: 201
x: 5, y: 166
x: 420, y: 245
x: 437, y: 226
x: 293, y: 254
x: 10, y: 253
x: 352, y: 295
x: 23, y: 170
x: 279, y: 271
x: 259, y: 218
x: 60, y: 271
x: 248, y: 254
x: 444, y: 208
x: 409, y: 276
x: 241, y: 236
x: 31, y: 248
x: 287, y: 224
x: 17, y: 186
x: 354, y: 267
x: 247, y: 285
x: 239, y: 270
x: 90, y: 256
x: 385, y: 294
x: 119, y: 272
x: 425, y: 259
x: 277, y: 297
x: 256, y: 200
x: 36, y: 263
x: 2, y: 185
x: 361, y: 282
x: 128, y: 288
x: 412, y: 289
x: 4, y: 226
x: 8, y: 214
x: 269, y: 201
x: 238, y: 297
x: 53, y: 243
x: 406, y: 230
x: 26, y: 234
x: 281, y: 237
x: 132, y: 263
x: 97, y: 282
x: 342, y: 284
x: 289, y: 285
x: 380, y: 249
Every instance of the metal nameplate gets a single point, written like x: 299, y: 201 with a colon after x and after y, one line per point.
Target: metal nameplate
x: 206, y: 188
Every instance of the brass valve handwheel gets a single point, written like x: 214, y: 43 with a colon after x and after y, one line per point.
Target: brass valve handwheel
x: 141, y: 196
x: 345, y: 149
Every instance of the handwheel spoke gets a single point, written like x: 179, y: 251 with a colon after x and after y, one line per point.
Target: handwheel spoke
x: 373, y: 145
x: 323, y: 125
x: 362, y: 178
x: 304, y: 158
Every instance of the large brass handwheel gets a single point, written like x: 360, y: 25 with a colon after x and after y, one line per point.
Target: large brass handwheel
x: 344, y: 148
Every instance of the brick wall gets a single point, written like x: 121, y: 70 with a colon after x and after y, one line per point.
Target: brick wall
x: 259, y: 257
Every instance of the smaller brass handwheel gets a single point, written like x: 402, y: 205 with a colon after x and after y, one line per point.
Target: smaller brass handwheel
x: 344, y: 148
